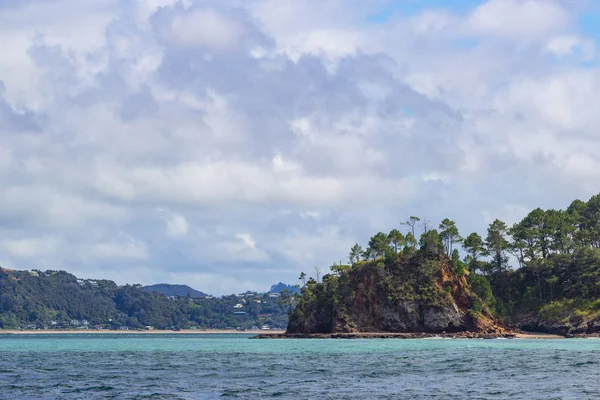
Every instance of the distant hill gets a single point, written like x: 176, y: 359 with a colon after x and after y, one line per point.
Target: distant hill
x: 59, y: 300
x: 280, y: 287
x: 175, y: 290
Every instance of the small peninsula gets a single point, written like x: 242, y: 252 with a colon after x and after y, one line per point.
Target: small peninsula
x: 541, y: 274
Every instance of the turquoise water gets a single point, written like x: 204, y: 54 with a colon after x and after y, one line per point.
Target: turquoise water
x: 232, y: 366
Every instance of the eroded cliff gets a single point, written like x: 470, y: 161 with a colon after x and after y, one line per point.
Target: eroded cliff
x: 409, y: 293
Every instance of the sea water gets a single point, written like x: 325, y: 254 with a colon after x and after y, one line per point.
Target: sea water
x: 232, y: 366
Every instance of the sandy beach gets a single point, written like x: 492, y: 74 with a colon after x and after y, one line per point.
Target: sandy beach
x: 134, y: 332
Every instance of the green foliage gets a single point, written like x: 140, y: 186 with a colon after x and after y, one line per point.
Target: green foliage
x: 474, y: 246
x: 379, y: 245
x: 56, y: 299
x: 497, y: 245
x: 482, y: 288
x: 449, y: 235
x: 396, y: 239
x: 356, y: 253
x: 431, y: 243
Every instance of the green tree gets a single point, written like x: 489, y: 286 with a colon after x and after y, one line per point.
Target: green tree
x: 431, y: 243
x: 379, y: 244
x: 355, y: 253
x: 303, y: 278
x: 449, y: 234
x: 411, y: 240
x: 412, y: 222
x: 396, y: 238
x: 474, y: 246
x: 497, y: 244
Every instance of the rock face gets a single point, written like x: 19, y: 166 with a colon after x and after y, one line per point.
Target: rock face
x: 410, y: 294
x: 567, y: 326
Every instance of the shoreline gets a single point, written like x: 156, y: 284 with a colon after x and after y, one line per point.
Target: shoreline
x: 135, y: 332
x: 280, y: 334
x: 407, y: 335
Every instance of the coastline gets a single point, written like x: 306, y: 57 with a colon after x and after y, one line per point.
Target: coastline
x: 135, y: 332
x: 405, y: 335
x: 280, y: 334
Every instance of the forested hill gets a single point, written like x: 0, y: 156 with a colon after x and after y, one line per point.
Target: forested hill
x: 175, y: 290
x: 57, y: 299
x: 540, y: 274
x: 281, y: 287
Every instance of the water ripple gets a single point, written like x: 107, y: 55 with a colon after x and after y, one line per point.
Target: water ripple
x: 238, y: 368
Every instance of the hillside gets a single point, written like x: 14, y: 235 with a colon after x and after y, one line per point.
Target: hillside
x: 175, y: 290
x: 418, y: 292
x: 57, y: 299
x: 280, y: 287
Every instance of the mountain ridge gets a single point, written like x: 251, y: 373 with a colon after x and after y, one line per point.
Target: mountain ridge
x: 169, y: 289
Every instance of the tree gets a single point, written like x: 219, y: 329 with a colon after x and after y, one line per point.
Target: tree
x: 425, y: 226
x: 355, y: 254
x: 412, y: 222
x: 497, y: 244
x: 449, y: 234
x: 379, y: 244
x: 474, y: 246
x: 431, y: 243
x: 318, y: 273
x: 396, y: 238
x: 591, y: 220
x: 303, y: 278
x: 339, y: 269
x: 411, y: 240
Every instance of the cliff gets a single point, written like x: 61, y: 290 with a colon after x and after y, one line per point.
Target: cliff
x: 417, y: 292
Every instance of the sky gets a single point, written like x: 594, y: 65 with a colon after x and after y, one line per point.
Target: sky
x: 232, y: 144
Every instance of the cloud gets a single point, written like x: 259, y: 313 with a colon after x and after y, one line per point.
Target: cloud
x: 176, y: 224
x: 232, y: 145
x: 41, y: 247
x: 518, y: 19
x: 122, y: 247
x: 247, y: 240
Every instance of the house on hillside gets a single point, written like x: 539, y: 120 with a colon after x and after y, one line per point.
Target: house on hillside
x: 238, y: 306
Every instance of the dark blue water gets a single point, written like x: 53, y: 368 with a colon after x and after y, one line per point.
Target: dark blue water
x: 232, y: 366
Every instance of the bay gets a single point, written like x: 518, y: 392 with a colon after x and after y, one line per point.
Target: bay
x: 233, y: 366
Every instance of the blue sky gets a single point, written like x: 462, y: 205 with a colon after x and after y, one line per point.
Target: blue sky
x: 231, y: 145
x: 412, y: 7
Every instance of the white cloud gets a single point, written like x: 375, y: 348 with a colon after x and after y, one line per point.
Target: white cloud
x: 176, y: 224
x: 570, y: 45
x: 273, y: 135
x: 121, y: 247
x: 206, y: 28
x: 247, y: 239
x: 42, y: 247
x: 518, y: 19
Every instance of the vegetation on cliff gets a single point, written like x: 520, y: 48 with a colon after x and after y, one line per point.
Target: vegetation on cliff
x: 396, y: 289
x: 542, y: 273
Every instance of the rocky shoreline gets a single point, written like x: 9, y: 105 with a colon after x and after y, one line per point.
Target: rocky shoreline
x: 418, y: 335
x: 385, y: 335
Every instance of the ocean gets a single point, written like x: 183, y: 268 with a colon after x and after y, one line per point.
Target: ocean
x: 234, y: 367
